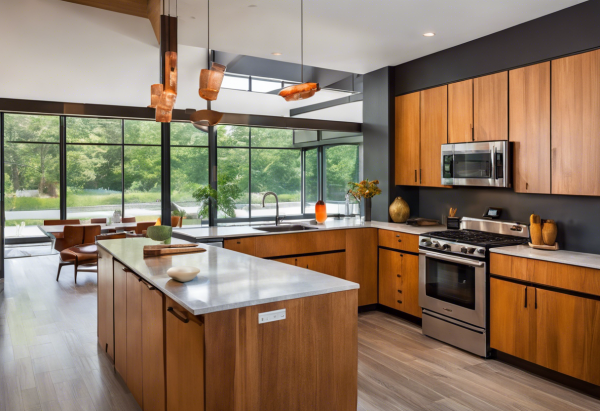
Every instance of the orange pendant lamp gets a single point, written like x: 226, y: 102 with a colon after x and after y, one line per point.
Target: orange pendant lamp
x: 166, y: 102
x: 304, y: 90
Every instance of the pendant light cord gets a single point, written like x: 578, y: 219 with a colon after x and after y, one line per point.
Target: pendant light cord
x: 302, y: 41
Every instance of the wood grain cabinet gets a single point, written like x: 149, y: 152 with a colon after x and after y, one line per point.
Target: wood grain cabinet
x: 576, y: 125
x: 120, y: 318
x: 460, y: 112
x: 490, y: 107
x: 134, y: 374
x: 105, y: 303
x: 241, y: 245
x: 434, y: 133
x: 153, y: 344
x: 333, y: 264
x: 408, y: 139
x: 399, y: 281
x: 530, y: 128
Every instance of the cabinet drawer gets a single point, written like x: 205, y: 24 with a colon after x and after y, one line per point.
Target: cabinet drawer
x: 399, y: 241
x: 300, y: 243
x: 241, y: 245
x: 511, y: 267
x: 568, y: 277
x: 331, y: 264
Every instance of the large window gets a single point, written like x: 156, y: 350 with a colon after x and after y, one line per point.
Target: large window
x: 341, y: 166
x: 32, y: 168
x: 189, y: 171
x: 113, y: 165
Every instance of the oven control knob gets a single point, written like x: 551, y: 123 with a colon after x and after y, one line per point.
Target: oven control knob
x: 471, y: 250
x: 446, y: 247
x: 481, y: 250
x: 436, y: 244
x: 463, y: 250
x: 426, y: 242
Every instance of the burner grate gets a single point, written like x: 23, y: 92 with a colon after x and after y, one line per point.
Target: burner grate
x: 477, y: 237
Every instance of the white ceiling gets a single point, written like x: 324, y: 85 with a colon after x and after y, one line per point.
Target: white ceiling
x: 351, y: 35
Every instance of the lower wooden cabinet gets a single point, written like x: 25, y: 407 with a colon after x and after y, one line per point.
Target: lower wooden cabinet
x: 120, y: 321
x: 556, y: 330
x: 105, y: 303
x: 184, y: 358
x: 241, y: 245
x: 333, y: 264
x: 399, y: 281
x: 134, y: 374
x: 153, y: 344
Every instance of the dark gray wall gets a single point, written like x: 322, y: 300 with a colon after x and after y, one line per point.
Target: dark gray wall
x: 378, y: 136
x: 565, y: 32
x: 569, y: 31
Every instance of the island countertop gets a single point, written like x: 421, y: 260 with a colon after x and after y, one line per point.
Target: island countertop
x: 221, y: 232
x: 227, y: 279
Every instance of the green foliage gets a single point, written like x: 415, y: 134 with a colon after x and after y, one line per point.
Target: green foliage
x: 228, y: 191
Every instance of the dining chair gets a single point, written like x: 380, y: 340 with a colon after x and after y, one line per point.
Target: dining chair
x: 61, y: 222
x: 98, y: 221
x: 84, y: 253
x: 141, y: 227
x: 175, y: 221
x: 128, y: 220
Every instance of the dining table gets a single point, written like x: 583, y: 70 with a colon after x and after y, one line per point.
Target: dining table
x: 58, y: 230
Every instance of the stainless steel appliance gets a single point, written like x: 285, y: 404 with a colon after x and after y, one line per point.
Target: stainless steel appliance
x: 485, y: 164
x: 453, y: 280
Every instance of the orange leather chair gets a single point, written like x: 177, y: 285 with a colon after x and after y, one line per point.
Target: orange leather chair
x: 175, y: 221
x: 128, y: 220
x: 84, y: 252
x: 143, y: 226
x: 60, y: 222
x: 71, y: 235
x: 98, y: 221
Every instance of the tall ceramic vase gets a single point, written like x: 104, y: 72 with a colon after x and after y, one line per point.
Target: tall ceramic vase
x: 320, y: 212
x: 367, y: 209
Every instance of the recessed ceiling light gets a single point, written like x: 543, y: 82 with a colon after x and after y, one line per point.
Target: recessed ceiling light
x: 429, y: 34
x: 276, y: 53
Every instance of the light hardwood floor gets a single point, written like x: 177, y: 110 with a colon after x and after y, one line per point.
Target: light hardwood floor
x: 49, y: 359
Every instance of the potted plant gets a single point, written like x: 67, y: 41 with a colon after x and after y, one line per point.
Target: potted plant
x: 229, y: 191
x: 365, y: 189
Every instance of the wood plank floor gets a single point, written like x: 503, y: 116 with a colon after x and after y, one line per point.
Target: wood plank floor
x: 49, y: 358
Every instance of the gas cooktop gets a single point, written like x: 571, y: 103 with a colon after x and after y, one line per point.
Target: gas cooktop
x: 478, y: 238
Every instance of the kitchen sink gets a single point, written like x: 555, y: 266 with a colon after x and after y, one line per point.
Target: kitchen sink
x: 284, y: 228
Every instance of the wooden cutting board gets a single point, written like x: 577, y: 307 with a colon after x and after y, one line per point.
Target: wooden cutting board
x: 171, y: 249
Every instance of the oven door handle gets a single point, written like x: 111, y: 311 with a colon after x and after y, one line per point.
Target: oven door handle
x: 459, y: 260
x: 494, y: 163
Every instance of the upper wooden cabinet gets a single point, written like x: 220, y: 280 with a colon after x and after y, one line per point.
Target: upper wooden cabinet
x: 460, y: 112
x: 408, y: 130
x: 491, y: 107
x: 434, y: 133
x: 576, y: 124
x: 530, y: 128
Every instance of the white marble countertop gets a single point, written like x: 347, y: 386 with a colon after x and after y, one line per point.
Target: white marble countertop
x: 197, y: 234
x: 559, y: 256
x: 227, y: 279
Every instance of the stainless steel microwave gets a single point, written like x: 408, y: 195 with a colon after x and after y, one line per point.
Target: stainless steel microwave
x: 486, y: 163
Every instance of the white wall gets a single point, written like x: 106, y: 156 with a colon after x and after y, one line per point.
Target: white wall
x: 58, y: 51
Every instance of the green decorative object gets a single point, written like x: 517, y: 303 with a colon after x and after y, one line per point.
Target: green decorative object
x: 399, y: 210
x: 159, y: 232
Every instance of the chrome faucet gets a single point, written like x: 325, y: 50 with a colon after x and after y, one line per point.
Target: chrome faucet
x: 277, y: 219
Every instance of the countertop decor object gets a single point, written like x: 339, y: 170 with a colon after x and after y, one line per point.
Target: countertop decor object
x: 535, y: 229
x: 320, y: 212
x: 183, y: 274
x: 422, y: 222
x: 365, y: 189
x: 545, y: 247
x: 549, y: 232
x: 171, y: 249
x: 159, y: 232
x: 399, y: 210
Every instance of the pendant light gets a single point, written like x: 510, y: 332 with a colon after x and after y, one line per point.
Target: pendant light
x: 304, y: 90
x: 210, y: 85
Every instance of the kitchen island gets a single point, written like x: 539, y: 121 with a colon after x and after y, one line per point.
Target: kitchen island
x: 215, y: 343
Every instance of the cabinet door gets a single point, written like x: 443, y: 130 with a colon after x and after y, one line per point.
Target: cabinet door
x: 120, y: 307
x: 530, y: 127
x: 185, y: 359
x: 511, y: 307
x: 491, y: 107
x: 408, y: 134
x: 331, y: 263
x: 241, y: 245
x: 568, y: 335
x: 460, y: 112
x: 410, y: 285
x: 153, y: 359
x: 434, y: 133
x: 105, y: 303
x: 361, y: 263
x: 576, y: 124
x: 134, y: 337
x: 390, y: 278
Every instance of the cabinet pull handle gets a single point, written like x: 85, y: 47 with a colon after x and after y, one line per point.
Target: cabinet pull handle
x: 150, y: 286
x: 401, y: 255
x: 415, y: 176
x: 127, y: 270
x: 526, y: 186
x: 536, y: 298
x: 295, y: 261
x: 398, y: 275
x: 239, y: 242
x: 399, y: 240
x: 181, y: 318
x: 420, y: 176
x: 306, y: 265
x: 525, y: 297
x: 400, y: 291
x: 400, y: 302
x: 397, y: 235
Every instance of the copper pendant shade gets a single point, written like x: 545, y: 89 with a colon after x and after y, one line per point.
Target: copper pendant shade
x: 299, y: 91
x: 210, y: 81
x: 206, y: 117
x: 164, y: 100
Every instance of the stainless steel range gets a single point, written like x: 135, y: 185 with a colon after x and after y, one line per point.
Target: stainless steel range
x: 454, y: 280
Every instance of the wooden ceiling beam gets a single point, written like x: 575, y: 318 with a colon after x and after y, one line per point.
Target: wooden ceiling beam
x: 150, y: 9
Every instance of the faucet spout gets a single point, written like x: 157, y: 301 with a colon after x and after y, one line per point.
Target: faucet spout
x: 277, y: 221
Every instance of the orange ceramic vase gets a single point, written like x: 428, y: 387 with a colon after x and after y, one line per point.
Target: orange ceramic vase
x: 320, y: 212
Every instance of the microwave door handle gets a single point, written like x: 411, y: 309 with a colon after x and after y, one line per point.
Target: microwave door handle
x: 493, y: 162
x: 443, y: 257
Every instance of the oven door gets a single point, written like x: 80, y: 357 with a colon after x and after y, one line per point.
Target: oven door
x: 453, y: 286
